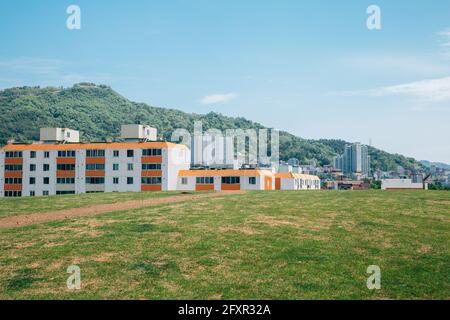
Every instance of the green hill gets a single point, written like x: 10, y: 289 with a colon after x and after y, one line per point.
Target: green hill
x: 98, y: 111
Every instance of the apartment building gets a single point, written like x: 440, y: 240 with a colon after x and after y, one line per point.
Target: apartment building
x: 355, y: 159
x: 61, y: 165
x: 223, y: 180
x: 296, y: 181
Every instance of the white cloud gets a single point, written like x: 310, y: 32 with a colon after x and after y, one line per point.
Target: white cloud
x: 436, y: 90
x: 444, y: 42
x: 219, y: 98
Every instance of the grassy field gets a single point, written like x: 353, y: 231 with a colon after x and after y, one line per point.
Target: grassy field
x: 259, y: 245
x: 18, y: 206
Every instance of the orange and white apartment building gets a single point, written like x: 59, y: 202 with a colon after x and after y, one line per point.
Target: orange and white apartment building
x: 59, y: 164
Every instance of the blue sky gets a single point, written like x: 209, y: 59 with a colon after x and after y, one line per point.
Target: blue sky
x: 308, y: 67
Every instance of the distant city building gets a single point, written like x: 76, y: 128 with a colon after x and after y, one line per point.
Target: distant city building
x: 355, y: 159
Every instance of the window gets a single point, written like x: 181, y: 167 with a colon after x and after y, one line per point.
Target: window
x: 46, y: 154
x: 130, y: 153
x: 13, y: 180
x: 65, y: 192
x: 115, y: 166
x: 13, y: 193
x: 130, y: 167
x: 46, y: 180
x: 95, y: 153
x: 95, y: 180
x: 32, y: 154
x: 129, y: 180
x: 151, y: 180
x: 13, y: 167
x: 13, y: 154
x: 184, y: 181
x: 45, y: 193
x: 151, y: 166
x: 65, y: 180
x: 252, y: 180
x: 231, y: 180
x: 32, y: 180
x: 115, y: 180
x: 66, y: 153
x: 205, y: 180
x: 32, y: 193
x: 151, y: 152
x: 46, y: 167
x: 95, y: 166
x: 32, y: 167
x: 116, y: 153
x: 66, y: 167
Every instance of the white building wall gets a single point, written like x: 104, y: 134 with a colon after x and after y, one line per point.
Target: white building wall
x: 400, y: 184
x: 190, y: 186
x: 177, y: 159
x: 245, y: 185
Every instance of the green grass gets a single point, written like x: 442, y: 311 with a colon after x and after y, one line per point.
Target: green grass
x: 28, y: 205
x: 260, y: 245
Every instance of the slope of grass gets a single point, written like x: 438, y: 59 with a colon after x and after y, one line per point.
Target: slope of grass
x: 28, y: 205
x: 280, y: 245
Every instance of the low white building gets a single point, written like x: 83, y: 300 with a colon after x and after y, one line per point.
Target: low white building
x: 401, y: 184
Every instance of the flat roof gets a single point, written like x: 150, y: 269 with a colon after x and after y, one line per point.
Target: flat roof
x: 98, y: 145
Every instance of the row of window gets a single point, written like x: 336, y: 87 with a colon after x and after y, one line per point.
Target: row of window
x: 151, y: 152
x: 13, y: 154
x: 13, y: 180
x: 89, y: 166
x: 92, y: 153
x: 95, y: 166
x: 13, y: 167
x: 13, y: 193
x: 225, y: 180
x: 65, y: 180
x: 66, y: 154
x: 231, y: 180
x: 205, y: 180
x: 65, y: 167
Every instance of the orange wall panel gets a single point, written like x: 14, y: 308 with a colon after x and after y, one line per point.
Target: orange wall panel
x: 13, y: 187
x: 151, y: 187
x: 95, y: 173
x: 268, y: 183
x: 204, y: 187
x: 277, y: 183
x: 151, y: 173
x: 13, y: 174
x: 231, y: 187
x: 65, y: 174
x: 13, y: 160
x: 99, y: 160
x: 151, y: 159
x: 65, y: 160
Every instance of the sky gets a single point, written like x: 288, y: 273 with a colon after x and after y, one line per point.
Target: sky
x: 312, y: 68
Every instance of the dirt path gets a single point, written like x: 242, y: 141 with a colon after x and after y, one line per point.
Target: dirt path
x: 25, y: 220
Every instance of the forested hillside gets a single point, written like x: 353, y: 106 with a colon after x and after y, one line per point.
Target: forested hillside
x: 98, y: 111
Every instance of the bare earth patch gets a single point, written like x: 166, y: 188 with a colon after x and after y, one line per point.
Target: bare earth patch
x: 25, y: 220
